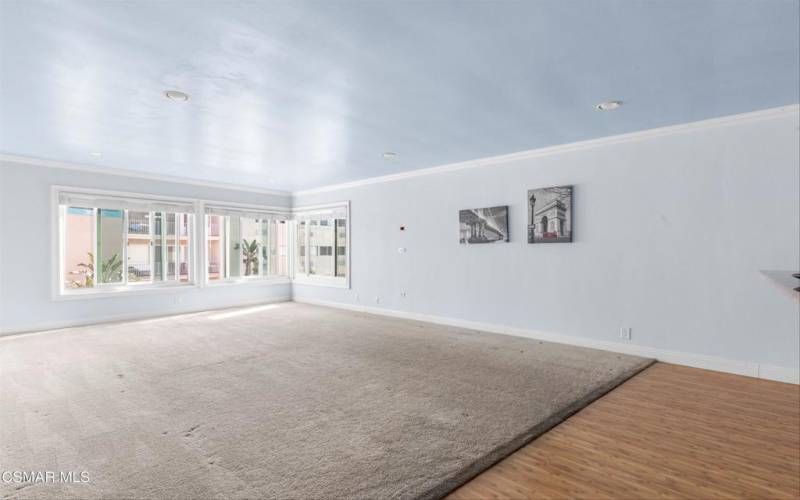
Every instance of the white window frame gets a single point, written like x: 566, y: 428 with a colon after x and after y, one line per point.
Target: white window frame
x: 58, y: 248
x: 198, y: 247
x: 246, y: 210
x: 314, y: 279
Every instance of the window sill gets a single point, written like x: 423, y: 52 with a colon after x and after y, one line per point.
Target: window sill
x: 249, y: 281
x: 322, y: 281
x: 135, y: 289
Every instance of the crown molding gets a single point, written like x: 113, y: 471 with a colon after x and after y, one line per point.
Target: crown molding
x: 28, y: 160
x: 753, y: 116
x: 490, y: 161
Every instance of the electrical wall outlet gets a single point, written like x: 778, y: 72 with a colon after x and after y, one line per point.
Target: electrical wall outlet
x: 358, y: 299
x: 625, y: 333
x: 377, y: 300
x: 403, y: 293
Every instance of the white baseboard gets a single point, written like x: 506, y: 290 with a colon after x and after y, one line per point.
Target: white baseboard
x: 61, y: 324
x: 779, y: 373
x: 738, y: 367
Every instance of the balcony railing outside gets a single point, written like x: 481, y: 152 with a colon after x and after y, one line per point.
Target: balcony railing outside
x: 139, y: 271
x: 138, y: 225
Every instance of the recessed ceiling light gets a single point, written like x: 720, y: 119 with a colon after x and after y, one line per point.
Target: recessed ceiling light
x: 389, y: 155
x: 609, y: 105
x: 96, y: 154
x: 176, y: 95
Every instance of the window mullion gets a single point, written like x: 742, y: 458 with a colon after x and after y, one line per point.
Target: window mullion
x: 191, y: 271
x: 268, y: 261
x: 176, y: 252
x: 307, y: 256
x: 240, y: 264
x: 226, y: 245
x: 176, y: 249
x: 164, y: 248
x: 335, y: 250
x: 125, y: 247
x: 151, y: 243
x: 96, y: 248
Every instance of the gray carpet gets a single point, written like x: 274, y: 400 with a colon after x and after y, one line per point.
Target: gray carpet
x: 283, y: 401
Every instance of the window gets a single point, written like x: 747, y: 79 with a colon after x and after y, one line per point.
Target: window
x: 341, y: 248
x: 121, y: 242
x: 300, y: 259
x: 78, y: 255
x: 244, y: 244
x: 321, y: 248
x: 158, y: 246
x: 279, y: 248
x: 114, y: 242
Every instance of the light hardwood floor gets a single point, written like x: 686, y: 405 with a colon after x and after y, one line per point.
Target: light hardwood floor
x: 669, y: 432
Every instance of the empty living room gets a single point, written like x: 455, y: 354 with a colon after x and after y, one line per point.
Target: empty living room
x: 399, y: 249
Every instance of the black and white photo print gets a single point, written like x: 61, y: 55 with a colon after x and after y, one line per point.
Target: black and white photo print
x: 483, y: 225
x: 550, y: 215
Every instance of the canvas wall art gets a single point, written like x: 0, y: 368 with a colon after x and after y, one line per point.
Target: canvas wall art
x: 483, y: 225
x: 550, y: 215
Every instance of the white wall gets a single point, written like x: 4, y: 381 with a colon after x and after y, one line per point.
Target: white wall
x: 678, y: 235
x: 671, y: 232
x: 25, y: 253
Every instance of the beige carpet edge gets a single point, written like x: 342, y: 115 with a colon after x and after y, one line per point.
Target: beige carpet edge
x: 450, y: 484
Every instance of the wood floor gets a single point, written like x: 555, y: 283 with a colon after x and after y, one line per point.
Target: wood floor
x: 670, y: 432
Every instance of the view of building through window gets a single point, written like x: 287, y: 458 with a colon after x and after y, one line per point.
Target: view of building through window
x: 242, y: 247
x: 278, y: 260
x: 253, y: 246
x: 300, y: 254
x: 112, y: 241
x: 326, y: 240
x: 341, y: 246
x: 216, y: 255
x: 79, y: 227
x: 117, y: 247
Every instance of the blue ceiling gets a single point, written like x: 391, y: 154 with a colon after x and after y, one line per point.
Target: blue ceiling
x: 293, y: 95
